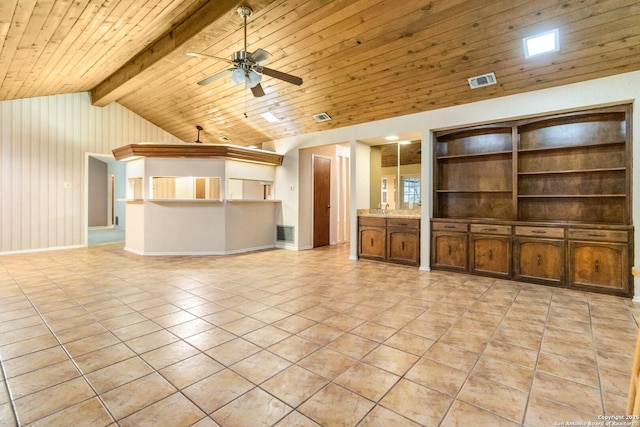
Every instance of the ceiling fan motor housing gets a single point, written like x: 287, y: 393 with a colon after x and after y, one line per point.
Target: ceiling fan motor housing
x: 240, y: 56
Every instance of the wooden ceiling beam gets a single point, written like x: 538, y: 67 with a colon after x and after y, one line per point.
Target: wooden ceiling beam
x: 131, y: 75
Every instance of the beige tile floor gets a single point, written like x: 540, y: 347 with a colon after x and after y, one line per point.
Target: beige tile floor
x: 98, y: 336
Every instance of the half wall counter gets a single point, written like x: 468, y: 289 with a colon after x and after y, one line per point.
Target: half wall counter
x: 210, y: 204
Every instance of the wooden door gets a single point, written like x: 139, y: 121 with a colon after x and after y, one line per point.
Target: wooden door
x: 490, y: 254
x: 403, y: 245
x: 603, y: 265
x: 200, y: 188
x: 372, y: 242
x: 539, y: 260
x: 449, y: 250
x: 321, y: 200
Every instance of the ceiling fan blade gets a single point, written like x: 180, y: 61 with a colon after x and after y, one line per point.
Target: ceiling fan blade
x: 259, y: 56
x: 202, y: 55
x: 282, y: 76
x: 215, y: 77
x: 257, y: 91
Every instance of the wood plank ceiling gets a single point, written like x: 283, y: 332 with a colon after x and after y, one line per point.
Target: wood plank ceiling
x: 361, y: 60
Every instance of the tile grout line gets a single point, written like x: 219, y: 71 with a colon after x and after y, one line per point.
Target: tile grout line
x: 9, y: 394
x: 539, y: 350
x: 63, y: 347
x: 479, y: 356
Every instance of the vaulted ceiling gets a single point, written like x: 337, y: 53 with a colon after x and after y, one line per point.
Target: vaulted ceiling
x: 361, y: 60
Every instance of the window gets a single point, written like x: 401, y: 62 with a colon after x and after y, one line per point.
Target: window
x: 411, y: 193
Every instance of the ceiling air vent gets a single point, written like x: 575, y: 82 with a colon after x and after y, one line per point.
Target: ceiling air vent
x: 224, y: 139
x: 322, y: 117
x: 483, y: 80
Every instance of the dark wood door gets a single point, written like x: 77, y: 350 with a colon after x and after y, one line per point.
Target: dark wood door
x: 449, y: 250
x: 321, y: 200
x: 490, y: 254
x: 599, y: 264
x: 539, y: 260
x: 372, y: 242
x: 403, y: 245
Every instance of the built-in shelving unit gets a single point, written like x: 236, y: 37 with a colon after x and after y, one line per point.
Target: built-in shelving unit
x: 561, y: 173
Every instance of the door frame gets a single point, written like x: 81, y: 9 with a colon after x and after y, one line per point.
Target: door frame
x: 106, y: 158
x: 313, y: 187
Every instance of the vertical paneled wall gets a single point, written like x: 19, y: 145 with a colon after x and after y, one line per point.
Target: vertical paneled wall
x: 43, y: 146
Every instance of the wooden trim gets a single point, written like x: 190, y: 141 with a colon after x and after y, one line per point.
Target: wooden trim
x: 198, y: 151
x: 127, y: 78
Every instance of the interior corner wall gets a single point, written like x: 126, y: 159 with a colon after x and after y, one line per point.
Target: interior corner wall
x: 43, y: 142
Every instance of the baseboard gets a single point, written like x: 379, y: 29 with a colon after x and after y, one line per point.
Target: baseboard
x: 54, y: 248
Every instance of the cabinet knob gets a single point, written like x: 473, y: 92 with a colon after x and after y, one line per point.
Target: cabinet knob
x: 490, y: 254
x: 539, y: 259
x: 371, y: 242
x: 597, y: 266
x: 403, y: 246
x: 449, y: 249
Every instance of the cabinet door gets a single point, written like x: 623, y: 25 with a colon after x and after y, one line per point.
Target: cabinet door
x: 490, y: 254
x: 403, y: 246
x: 372, y: 242
x: 539, y: 260
x: 604, y: 265
x: 449, y: 250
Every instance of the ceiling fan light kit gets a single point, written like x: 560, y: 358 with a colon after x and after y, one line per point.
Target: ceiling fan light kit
x: 248, y: 67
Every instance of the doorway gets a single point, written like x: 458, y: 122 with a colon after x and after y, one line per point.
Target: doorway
x: 321, y: 200
x: 105, y: 199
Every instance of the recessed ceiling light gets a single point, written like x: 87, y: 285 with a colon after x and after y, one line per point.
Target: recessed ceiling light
x: 270, y: 117
x: 391, y: 138
x: 541, y: 43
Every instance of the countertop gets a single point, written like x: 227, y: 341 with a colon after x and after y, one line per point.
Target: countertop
x: 412, y: 214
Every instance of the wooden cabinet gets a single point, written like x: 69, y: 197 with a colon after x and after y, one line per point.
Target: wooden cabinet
x: 389, y: 239
x: 490, y: 249
x: 403, y: 240
x: 599, y: 259
x: 539, y: 260
x: 449, y: 245
x: 372, y: 238
x: 560, y: 184
x: 539, y: 254
x: 574, y: 168
x: 474, y: 173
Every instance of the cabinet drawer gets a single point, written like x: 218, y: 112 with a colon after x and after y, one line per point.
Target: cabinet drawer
x: 450, y: 226
x: 504, y: 230
x: 404, y: 222
x: 374, y: 221
x: 557, y: 233
x: 599, y: 235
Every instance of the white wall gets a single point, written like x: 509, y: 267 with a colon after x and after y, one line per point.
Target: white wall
x: 43, y: 142
x: 622, y: 88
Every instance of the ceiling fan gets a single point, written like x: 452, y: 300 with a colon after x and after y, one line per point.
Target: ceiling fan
x: 248, y: 67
